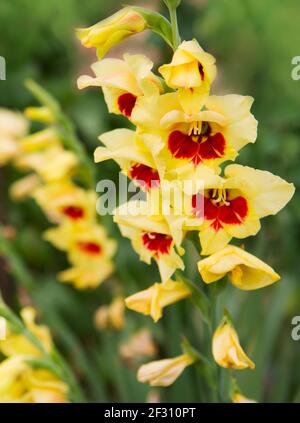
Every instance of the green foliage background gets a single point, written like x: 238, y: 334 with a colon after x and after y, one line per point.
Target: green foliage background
x: 254, y: 42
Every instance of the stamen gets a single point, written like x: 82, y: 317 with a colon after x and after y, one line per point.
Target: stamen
x: 195, y: 128
x: 220, y: 196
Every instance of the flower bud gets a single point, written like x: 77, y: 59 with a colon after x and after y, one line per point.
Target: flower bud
x: 108, y: 32
x: 163, y: 372
x: 226, y: 348
x: 151, y: 301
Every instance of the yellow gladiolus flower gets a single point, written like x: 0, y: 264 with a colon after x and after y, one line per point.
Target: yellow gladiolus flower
x: 151, y: 301
x: 111, y: 315
x: 189, y: 141
x: 127, y: 149
x: 25, y: 187
x: 233, y: 206
x: 227, y: 350
x: 164, y: 372
x: 62, y: 200
x: 89, y: 251
x: 17, y: 344
x: 245, y: 271
x: 13, y: 126
x: 53, y: 164
x: 108, y: 32
x: 40, y: 140
x: 21, y: 384
x: 241, y: 399
x: 123, y: 81
x: 210, y: 136
x: 150, y: 237
x: 192, y: 71
x: 141, y: 344
x: 18, y: 381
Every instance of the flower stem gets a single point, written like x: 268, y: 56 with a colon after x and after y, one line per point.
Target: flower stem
x: 16, y: 265
x: 66, y: 130
x: 174, y: 25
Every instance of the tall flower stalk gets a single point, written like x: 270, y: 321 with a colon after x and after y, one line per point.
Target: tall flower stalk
x: 185, y: 135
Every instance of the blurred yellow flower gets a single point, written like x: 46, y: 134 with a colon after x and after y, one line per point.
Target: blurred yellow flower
x: 53, y: 164
x: 17, y: 344
x: 140, y: 344
x: 164, y: 372
x: 89, y: 251
x: 25, y: 187
x: 108, y: 32
x: 38, y: 141
x: 13, y: 126
x: 62, y: 200
x: 111, y: 316
x: 227, y: 350
x: 192, y: 71
x: 19, y: 383
x: 245, y: 271
x: 123, y: 81
x: 151, y: 301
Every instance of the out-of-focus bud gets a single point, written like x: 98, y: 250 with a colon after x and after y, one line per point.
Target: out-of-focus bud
x: 24, y: 187
x: 111, y: 316
x: 141, y: 344
x: 39, y: 114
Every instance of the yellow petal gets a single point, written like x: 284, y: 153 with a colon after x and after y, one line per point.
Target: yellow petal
x: 245, y: 271
x: 268, y: 193
x: 163, y: 372
x: 227, y: 350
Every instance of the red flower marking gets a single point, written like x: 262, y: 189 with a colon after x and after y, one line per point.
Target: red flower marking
x: 126, y: 103
x: 201, y: 71
x: 147, y: 177
x: 196, y: 148
x: 233, y: 212
x: 73, y: 212
x: 89, y: 247
x: 157, y: 243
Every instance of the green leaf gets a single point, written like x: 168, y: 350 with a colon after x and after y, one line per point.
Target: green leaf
x: 156, y: 23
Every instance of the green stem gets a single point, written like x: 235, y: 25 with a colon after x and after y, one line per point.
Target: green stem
x: 16, y: 265
x: 24, y: 277
x: 216, y: 369
x: 66, y: 130
x: 174, y: 25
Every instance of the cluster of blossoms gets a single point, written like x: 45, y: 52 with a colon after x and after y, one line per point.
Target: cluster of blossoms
x: 51, y: 181
x: 20, y: 381
x: 182, y: 133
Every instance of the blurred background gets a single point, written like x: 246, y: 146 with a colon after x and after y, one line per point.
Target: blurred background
x: 254, y: 42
